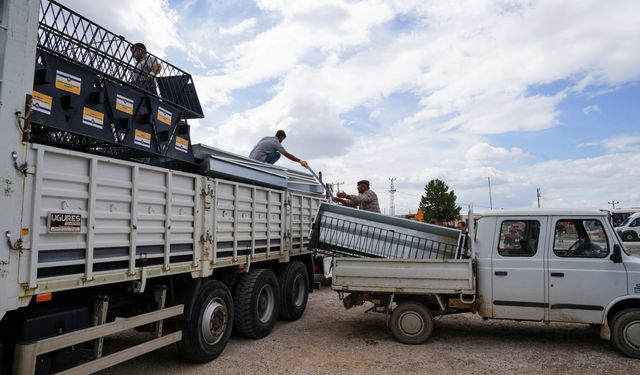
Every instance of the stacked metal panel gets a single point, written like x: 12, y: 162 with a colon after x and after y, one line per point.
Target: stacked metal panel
x: 230, y: 166
x: 347, y: 231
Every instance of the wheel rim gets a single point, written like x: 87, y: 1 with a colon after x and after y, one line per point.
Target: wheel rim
x: 298, y: 290
x: 411, y: 323
x: 632, y: 334
x: 214, y: 321
x: 266, y: 303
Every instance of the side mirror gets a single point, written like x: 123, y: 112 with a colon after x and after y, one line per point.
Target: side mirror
x: 616, y: 257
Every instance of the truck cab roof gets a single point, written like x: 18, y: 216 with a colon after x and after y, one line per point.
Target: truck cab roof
x: 544, y: 212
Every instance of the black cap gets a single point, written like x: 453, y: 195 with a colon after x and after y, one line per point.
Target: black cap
x: 281, y: 133
x: 139, y: 45
x: 366, y: 182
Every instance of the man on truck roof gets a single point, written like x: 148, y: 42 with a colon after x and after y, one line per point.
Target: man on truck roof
x: 269, y: 149
x: 365, y: 200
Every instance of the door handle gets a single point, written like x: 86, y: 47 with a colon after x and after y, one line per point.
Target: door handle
x: 501, y: 273
x: 557, y: 274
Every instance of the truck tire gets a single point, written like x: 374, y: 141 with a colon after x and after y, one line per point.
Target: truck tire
x: 205, y: 335
x: 411, y: 323
x: 625, y: 333
x: 294, y: 290
x: 256, y: 303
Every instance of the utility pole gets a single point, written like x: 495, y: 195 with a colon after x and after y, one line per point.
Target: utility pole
x: 490, y: 199
x: 538, y: 194
x: 337, y: 186
x: 392, y: 192
x: 613, y: 204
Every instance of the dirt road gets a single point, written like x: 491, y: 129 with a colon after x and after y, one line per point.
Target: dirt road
x: 331, y: 340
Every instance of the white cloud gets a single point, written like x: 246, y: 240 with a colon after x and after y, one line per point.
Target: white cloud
x: 238, y: 29
x: 590, y: 109
x: 625, y: 143
x: 152, y: 22
x: 483, y: 153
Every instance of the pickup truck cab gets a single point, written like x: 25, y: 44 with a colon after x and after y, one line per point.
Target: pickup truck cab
x: 535, y: 265
x: 629, y: 230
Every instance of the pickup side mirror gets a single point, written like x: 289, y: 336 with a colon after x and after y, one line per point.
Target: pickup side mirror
x: 616, y: 257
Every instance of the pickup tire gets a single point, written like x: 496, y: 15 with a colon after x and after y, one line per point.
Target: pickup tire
x: 205, y: 335
x: 411, y: 323
x: 625, y: 332
x: 256, y: 303
x: 294, y: 290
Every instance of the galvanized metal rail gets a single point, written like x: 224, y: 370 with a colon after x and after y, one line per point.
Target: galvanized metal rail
x: 26, y: 354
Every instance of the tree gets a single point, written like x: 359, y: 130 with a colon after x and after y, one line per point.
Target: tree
x: 438, y: 203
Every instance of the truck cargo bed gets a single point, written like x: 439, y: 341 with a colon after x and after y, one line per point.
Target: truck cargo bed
x: 416, y: 276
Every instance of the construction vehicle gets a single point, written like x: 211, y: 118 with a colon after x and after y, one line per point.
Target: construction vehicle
x: 113, y: 220
x: 529, y: 265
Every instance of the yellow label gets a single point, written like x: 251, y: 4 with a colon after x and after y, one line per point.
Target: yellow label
x: 41, y: 102
x: 142, y: 138
x: 182, y: 144
x: 92, y: 118
x: 68, y: 82
x: 124, y: 104
x: 24, y: 231
x: 164, y: 116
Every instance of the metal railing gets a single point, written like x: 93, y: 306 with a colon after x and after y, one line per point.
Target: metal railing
x: 337, y: 236
x: 66, y: 33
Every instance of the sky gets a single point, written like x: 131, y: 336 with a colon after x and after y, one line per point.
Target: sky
x: 525, y: 95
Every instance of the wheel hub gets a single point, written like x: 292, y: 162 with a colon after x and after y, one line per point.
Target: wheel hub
x: 411, y: 323
x: 298, y: 290
x: 632, y: 334
x: 214, y: 321
x: 266, y: 303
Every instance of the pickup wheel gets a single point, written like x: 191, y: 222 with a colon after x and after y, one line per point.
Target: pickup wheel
x: 205, y: 335
x: 294, y: 290
x: 411, y: 323
x: 625, y: 332
x: 256, y: 303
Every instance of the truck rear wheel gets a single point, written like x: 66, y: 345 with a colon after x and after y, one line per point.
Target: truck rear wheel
x: 625, y: 333
x: 294, y: 290
x: 205, y: 335
x: 256, y: 303
x: 411, y: 323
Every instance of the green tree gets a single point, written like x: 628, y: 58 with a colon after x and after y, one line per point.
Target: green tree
x: 438, y: 203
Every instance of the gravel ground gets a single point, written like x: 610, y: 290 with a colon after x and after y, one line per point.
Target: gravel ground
x: 331, y: 340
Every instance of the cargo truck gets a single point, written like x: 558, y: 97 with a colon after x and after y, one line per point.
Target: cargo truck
x: 113, y: 220
x: 525, y: 265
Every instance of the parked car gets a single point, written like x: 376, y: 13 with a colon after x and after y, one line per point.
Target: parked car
x: 629, y: 230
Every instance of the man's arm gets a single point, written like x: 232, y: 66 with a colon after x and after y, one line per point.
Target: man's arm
x: 365, y: 198
x: 155, y: 69
x: 345, y: 201
x: 290, y: 156
x: 294, y: 158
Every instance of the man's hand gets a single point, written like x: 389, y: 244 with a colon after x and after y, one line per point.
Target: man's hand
x: 304, y: 163
x: 341, y: 194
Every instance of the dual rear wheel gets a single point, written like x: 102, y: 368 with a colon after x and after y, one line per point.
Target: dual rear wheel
x: 258, y: 298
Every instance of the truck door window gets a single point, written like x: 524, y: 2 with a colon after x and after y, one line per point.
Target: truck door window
x: 580, y: 238
x: 519, y: 238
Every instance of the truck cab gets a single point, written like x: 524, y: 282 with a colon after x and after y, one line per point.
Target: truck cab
x: 560, y: 266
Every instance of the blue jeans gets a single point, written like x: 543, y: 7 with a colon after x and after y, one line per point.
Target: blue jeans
x: 272, y: 158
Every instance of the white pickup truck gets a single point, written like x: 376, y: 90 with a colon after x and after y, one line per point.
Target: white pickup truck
x: 535, y: 265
